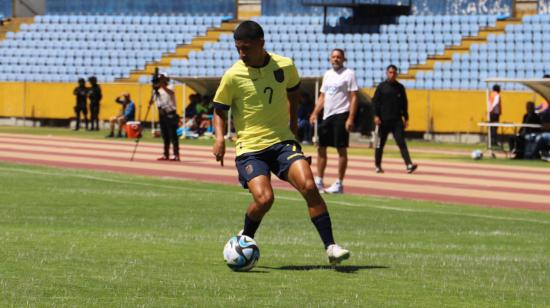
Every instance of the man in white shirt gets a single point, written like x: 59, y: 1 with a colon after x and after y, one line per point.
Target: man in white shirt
x: 165, y: 99
x: 338, y: 99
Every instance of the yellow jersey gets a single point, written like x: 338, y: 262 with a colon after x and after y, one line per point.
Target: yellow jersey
x: 258, y: 101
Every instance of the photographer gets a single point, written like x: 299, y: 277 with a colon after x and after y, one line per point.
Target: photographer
x: 165, y: 99
x: 81, y: 93
x: 127, y: 114
x: 95, y: 98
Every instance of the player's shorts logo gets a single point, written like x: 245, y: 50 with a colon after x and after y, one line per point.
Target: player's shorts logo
x: 249, y: 169
x: 279, y: 75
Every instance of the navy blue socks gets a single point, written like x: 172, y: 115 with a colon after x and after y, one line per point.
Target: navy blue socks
x: 324, y: 227
x: 250, y: 226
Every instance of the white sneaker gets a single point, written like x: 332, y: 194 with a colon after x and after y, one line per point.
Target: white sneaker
x: 336, y: 188
x: 337, y: 254
x: 320, y: 185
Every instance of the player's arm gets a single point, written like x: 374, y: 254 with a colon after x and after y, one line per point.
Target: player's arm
x: 220, y: 122
x: 405, y: 108
x: 294, y: 99
x: 376, y: 102
x: 318, y: 107
x: 352, y: 111
x: 222, y: 103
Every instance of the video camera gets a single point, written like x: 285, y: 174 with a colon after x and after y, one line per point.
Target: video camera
x: 155, y: 80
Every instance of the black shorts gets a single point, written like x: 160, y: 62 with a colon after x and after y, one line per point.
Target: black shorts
x: 276, y: 158
x: 332, y: 131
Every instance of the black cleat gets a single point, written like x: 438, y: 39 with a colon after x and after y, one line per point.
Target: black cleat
x: 379, y: 170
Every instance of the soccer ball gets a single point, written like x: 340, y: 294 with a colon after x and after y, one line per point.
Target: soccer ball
x: 476, y: 155
x: 241, y: 253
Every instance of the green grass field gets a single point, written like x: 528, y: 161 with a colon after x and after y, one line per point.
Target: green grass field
x: 72, y: 238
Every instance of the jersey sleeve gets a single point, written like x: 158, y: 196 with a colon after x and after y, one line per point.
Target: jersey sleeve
x: 352, y: 84
x: 323, y: 86
x: 224, y: 94
x: 293, y: 82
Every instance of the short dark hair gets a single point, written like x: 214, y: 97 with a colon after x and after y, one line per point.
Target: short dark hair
x: 391, y: 66
x: 496, y: 88
x: 340, y: 50
x: 81, y: 80
x: 248, y: 30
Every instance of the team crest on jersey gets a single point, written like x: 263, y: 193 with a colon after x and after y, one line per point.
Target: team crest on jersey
x: 249, y: 169
x: 279, y: 75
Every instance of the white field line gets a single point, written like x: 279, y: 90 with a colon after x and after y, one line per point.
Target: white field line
x: 344, y: 203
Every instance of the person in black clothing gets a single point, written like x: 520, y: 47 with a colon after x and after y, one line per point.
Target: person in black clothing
x: 95, y: 98
x: 391, y: 116
x: 517, y: 143
x: 165, y: 99
x: 81, y: 93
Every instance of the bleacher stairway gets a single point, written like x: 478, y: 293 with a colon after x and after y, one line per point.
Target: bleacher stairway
x: 13, y: 25
x: 464, y: 47
x: 182, y: 51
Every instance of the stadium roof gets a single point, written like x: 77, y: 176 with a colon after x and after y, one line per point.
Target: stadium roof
x: 540, y: 86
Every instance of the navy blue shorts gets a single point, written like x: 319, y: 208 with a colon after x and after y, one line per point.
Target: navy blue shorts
x: 276, y: 158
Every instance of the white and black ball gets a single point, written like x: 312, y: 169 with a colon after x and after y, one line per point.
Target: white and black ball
x: 476, y: 155
x: 241, y: 253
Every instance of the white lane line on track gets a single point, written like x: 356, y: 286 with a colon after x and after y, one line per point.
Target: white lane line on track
x: 344, y: 203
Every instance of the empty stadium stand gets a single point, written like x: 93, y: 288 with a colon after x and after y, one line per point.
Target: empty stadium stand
x: 63, y: 48
x: 521, y: 52
x: 407, y: 43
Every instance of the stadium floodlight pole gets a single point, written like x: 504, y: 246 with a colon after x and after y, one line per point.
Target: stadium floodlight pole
x: 140, y: 134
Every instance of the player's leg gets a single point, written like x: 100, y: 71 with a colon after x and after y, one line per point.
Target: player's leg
x: 342, y: 163
x: 85, y: 113
x: 300, y: 176
x: 93, y: 115
x: 321, y: 166
x: 175, y: 140
x: 254, y: 174
x: 120, y: 121
x: 341, y: 142
x: 325, y: 139
x: 398, y: 132
x: 77, y: 113
x: 164, y: 132
x: 383, y: 132
x: 262, y: 194
x: 112, y: 122
x: 97, y: 117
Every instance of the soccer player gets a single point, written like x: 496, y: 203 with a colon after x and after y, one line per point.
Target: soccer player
x: 263, y: 91
x: 338, y: 100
